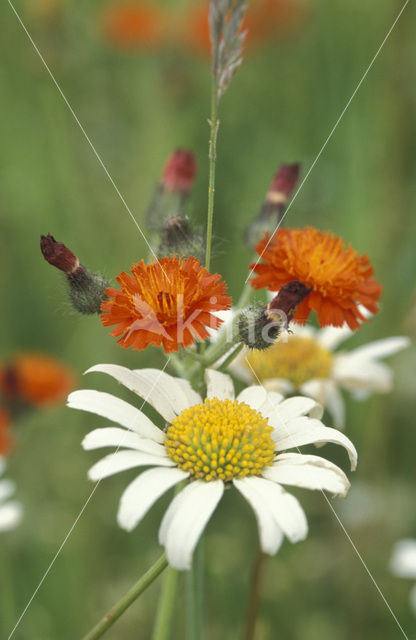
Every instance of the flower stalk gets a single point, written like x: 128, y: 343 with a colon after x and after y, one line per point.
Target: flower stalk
x: 124, y: 603
x: 163, y: 623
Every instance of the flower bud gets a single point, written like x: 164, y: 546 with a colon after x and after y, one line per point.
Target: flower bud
x: 87, y: 289
x: 179, y: 238
x: 283, y: 184
x: 58, y: 255
x: 180, y: 170
x: 256, y: 329
x: 273, y: 206
x: 285, y: 303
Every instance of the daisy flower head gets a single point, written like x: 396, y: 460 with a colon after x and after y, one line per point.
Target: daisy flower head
x: 403, y: 564
x: 10, y: 511
x: 208, y: 445
x: 169, y: 303
x: 307, y: 362
x: 341, y: 280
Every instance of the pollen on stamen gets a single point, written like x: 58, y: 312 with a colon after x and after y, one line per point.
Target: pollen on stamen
x: 220, y: 439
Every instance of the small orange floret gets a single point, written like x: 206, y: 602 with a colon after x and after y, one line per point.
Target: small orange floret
x: 340, y: 278
x: 35, y: 379
x: 134, y: 25
x: 6, y: 442
x: 168, y: 303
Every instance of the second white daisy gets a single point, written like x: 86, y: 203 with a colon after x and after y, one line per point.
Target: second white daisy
x: 306, y: 362
x: 209, y: 445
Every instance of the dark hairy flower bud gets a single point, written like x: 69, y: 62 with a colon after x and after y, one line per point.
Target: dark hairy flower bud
x: 178, y: 237
x: 285, y: 303
x: 283, y: 184
x: 273, y: 207
x: 180, y: 170
x: 256, y: 329
x: 86, y: 289
x: 58, y: 255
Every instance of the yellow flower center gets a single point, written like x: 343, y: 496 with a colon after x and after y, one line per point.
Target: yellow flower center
x: 222, y: 439
x: 297, y: 360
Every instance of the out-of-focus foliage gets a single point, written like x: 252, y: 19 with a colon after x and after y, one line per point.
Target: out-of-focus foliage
x: 137, y: 106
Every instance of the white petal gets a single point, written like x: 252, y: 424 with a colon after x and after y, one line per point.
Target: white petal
x: 123, y: 460
x: 330, y: 337
x: 381, y: 348
x: 254, y: 396
x: 239, y: 367
x: 285, y: 387
x: 186, y: 518
x: 309, y: 431
x: 294, y: 408
x: 359, y: 374
x: 308, y: 472
x: 115, y: 437
x: 7, y: 488
x: 143, y: 492
x: 10, y: 515
x: 193, y: 397
x: 284, y: 508
x: 157, y: 388
x: 270, y: 404
x: 219, y: 385
x: 108, y: 406
x: 326, y: 392
x: 403, y: 561
x: 270, y: 534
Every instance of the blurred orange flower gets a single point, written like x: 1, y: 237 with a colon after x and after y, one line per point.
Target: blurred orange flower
x: 5, y: 435
x: 140, y: 25
x: 35, y: 379
x: 134, y: 25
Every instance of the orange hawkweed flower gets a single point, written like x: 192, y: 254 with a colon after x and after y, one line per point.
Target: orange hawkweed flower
x: 168, y: 303
x: 134, y: 25
x: 5, y: 437
x: 339, y: 277
x: 35, y: 379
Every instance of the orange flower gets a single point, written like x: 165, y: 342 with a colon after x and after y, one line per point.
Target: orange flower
x: 5, y: 437
x: 339, y: 277
x: 35, y: 379
x: 168, y: 303
x: 134, y: 25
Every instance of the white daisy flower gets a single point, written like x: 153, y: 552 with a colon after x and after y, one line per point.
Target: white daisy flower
x: 10, y: 511
x: 211, y: 444
x: 305, y: 362
x: 403, y: 564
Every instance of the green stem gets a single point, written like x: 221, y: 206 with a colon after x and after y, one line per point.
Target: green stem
x: 245, y: 296
x: 165, y: 609
x: 128, y: 599
x: 254, y: 597
x: 194, y: 595
x: 212, y: 154
x: 231, y: 357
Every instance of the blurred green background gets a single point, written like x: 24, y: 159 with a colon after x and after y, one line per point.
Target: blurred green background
x: 137, y: 106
